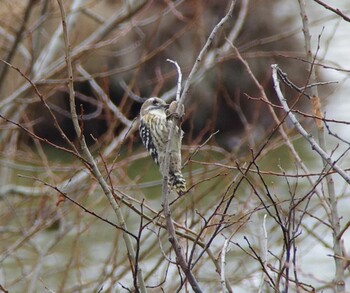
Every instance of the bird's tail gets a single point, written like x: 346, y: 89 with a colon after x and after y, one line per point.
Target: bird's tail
x: 178, y: 182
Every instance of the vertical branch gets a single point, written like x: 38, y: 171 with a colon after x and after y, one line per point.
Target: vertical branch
x: 338, y: 253
x: 73, y: 111
x: 323, y: 154
x: 179, y: 79
x: 91, y: 161
x: 180, y: 256
x: 223, y: 264
x: 165, y: 188
x: 335, y: 220
x: 19, y: 35
x: 47, y: 55
x: 307, y: 39
x: 264, y: 249
x: 204, y: 51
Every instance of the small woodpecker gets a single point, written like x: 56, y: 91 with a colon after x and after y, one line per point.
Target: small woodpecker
x: 154, y: 129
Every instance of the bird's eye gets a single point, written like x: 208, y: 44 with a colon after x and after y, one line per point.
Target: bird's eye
x: 155, y: 102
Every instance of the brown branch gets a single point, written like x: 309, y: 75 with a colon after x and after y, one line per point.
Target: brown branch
x: 42, y: 99
x: 203, y: 52
x: 303, y: 132
x: 34, y: 136
x: 16, y: 42
x: 316, y: 106
x: 335, y: 10
x: 165, y: 188
x: 86, y: 153
x: 80, y: 205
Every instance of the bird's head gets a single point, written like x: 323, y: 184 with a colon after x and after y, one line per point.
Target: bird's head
x: 152, y: 105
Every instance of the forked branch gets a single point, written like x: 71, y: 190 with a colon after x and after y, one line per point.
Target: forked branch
x: 165, y: 189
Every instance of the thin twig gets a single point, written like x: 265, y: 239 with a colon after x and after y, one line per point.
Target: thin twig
x: 302, y: 131
x: 11, y: 53
x: 264, y: 249
x: 316, y: 106
x: 202, y: 53
x: 167, y: 212
x: 335, y: 10
x: 279, y: 125
x: 79, y: 205
x: 223, y: 264
x: 99, y: 91
x: 165, y: 189
x: 131, y: 94
x: 179, y: 79
x: 7, y: 104
x: 55, y: 43
x: 42, y: 99
x: 95, y: 170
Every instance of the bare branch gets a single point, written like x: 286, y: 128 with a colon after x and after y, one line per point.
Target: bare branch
x: 95, y: 171
x: 302, y: 131
x: 335, y: 10
x: 179, y: 79
x: 47, y: 55
x: 204, y: 50
x: 16, y: 42
x: 223, y: 264
x: 165, y: 189
x: 98, y: 90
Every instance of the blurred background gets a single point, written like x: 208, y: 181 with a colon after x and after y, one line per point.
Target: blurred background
x: 119, y: 52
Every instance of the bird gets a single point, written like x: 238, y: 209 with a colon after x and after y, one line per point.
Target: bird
x: 155, y: 125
